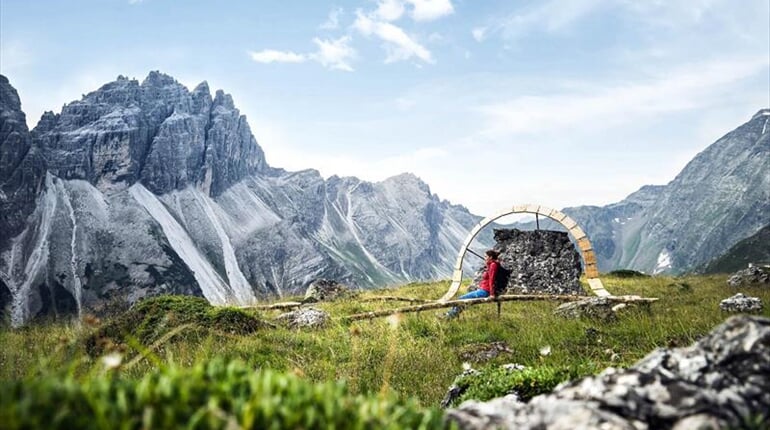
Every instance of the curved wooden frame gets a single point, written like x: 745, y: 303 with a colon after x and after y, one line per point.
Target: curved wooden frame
x: 589, y: 258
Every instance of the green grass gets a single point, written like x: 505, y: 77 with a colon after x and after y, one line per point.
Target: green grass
x: 415, y: 355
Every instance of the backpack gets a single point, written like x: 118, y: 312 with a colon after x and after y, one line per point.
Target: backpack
x: 502, y: 275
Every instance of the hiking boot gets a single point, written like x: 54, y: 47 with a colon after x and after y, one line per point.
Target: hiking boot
x: 450, y: 314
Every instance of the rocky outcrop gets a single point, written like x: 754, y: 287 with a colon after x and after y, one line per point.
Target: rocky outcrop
x: 477, y: 353
x: 741, y: 303
x: 591, y: 307
x: 722, y: 381
x: 304, y: 318
x: 22, y: 169
x: 322, y: 290
x: 752, y: 275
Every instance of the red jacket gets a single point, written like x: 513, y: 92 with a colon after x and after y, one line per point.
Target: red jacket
x: 488, y: 279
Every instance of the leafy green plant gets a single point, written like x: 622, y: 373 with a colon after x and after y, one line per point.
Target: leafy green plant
x: 497, y: 381
x: 210, y: 395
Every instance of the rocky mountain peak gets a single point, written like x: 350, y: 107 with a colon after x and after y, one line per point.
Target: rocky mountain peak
x: 157, y: 79
x: 157, y: 132
x: 223, y: 99
x: 9, y: 98
x: 20, y: 166
x: 408, y: 180
x: 761, y: 113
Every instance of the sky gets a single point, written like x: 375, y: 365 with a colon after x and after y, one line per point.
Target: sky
x: 491, y: 103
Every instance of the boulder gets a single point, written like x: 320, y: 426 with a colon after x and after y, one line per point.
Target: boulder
x: 750, y: 275
x: 591, y: 307
x: 304, y: 318
x: 325, y: 290
x: 741, y: 303
x: 721, y: 381
x: 477, y: 353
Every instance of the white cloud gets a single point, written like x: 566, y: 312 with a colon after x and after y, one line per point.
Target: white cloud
x: 421, y: 10
x: 479, y: 33
x: 334, y: 54
x: 398, y: 44
x: 685, y: 88
x: 389, y: 10
x: 273, y: 56
x: 429, y: 10
x: 333, y: 21
x: 135, y: 1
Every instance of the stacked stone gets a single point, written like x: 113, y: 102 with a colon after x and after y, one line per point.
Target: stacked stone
x: 540, y: 261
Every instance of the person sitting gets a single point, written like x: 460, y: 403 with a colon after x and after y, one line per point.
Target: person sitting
x: 486, y: 286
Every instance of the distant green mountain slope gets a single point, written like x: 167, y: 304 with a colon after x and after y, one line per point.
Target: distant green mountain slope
x: 753, y: 249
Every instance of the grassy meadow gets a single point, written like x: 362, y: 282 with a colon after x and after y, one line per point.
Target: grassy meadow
x: 370, y: 369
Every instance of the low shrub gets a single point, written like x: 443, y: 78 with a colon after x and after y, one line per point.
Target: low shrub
x: 627, y: 273
x: 151, y: 318
x: 498, y: 381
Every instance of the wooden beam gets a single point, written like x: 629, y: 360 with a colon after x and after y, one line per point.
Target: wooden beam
x: 395, y: 299
x: 504, y: 298
x: 284, y: 305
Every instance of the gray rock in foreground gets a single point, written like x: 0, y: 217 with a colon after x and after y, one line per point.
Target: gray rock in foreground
x: 591, y: 307
x: 741, y: 303
x: 721, y: 381
x: 304, y: 317
x: 750, y: 275
x: 326, y: 290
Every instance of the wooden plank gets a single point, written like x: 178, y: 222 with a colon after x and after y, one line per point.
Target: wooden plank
x: 584, y: 244
x: 591, y: 271
x: 284, y: 305
x: 559, y: 216
x: 533, y: 209
x: 568, y: 223
x: 597, y: 287
x: 457, y: 275
x: 577, y: 232
x: 589, y: 257
x: 519, y: 208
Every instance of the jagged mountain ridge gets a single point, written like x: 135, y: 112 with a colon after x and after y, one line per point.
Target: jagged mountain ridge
x: 143, y: 189
x: 720, y: 197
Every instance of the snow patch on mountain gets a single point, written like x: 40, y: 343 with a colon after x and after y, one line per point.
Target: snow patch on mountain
x: 663, y: 263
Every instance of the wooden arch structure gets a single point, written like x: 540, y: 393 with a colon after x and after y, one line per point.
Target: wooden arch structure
x: 589, y: 258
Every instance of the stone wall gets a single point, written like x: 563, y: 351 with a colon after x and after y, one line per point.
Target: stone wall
x: 541, y: 261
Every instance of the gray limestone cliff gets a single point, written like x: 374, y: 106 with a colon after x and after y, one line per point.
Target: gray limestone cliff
x: 721, y: 197
x: 147, y: 188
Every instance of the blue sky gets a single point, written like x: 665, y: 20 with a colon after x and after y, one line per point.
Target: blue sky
x: 492, y: 103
